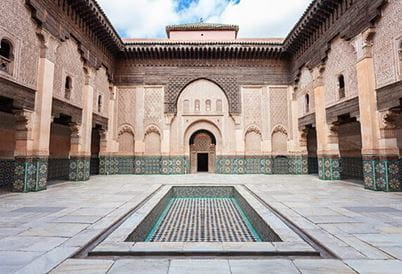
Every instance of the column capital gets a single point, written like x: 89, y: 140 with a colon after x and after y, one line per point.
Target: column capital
x: 387, y: 123
x: 75, y: 130
x: 169, y: 118
x: 89, y: 76
x: 317, y: 72
x: 363, y: 44
x: 49, y: 45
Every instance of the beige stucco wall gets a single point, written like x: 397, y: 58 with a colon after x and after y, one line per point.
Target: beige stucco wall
x: 203, y: 35
x: 202, y: 105
x: 186, y: 123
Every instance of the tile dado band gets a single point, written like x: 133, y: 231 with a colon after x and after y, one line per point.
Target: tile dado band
x: 224, y: 165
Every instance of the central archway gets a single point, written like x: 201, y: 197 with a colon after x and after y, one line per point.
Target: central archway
x: 202, y: 152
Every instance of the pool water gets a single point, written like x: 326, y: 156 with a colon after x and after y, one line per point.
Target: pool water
x: 203, y: 214
x: 203, y: 219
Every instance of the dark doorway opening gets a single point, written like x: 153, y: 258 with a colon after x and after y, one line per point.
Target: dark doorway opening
x: 312, y: 151
x: 95, y: 150
x: 202, y: 162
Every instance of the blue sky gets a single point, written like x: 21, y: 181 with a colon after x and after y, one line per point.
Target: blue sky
x: 256, y: 18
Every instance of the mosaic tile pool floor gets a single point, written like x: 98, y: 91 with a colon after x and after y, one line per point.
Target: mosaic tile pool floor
x: 203, y: 220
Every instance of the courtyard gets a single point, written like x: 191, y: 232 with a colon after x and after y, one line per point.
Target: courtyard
x: 47, y: 231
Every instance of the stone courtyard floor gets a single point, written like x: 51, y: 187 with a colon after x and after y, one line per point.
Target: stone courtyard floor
x: 41, y: 232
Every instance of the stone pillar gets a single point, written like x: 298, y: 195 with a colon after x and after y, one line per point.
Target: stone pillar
x: 298, y: 142
x: 165, y: 142
x: 108, y: 163
x: 81, y: 134
x: 379, y: 146
x: 239, y: 135
x: 30, y: 170
x: 139, y: 121
x: 327, y: 138
x: 79, y: 159
x: 33, y: 128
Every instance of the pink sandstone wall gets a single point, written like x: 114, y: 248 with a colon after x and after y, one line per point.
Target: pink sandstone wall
x: 59, y: 141
x: 7, y: 133
x: 203, y: 35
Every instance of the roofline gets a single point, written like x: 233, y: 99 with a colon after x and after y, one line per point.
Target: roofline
x: 201, y: 42
x: 188, y: 27
x: 108, y: 22
x: 314, y: 8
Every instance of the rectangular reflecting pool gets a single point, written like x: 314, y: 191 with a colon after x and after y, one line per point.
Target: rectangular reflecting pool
x: 203, y: 214
x: 202, y: 220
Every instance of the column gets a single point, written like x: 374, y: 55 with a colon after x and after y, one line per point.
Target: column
x: 327, y: 138
x: 80, y: 151
x: 298, y: 144
x: 33, y: 128
x: 379, y: 146
x: 108, y: 163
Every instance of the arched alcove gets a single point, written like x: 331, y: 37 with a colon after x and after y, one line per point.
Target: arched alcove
x: 202, y: 152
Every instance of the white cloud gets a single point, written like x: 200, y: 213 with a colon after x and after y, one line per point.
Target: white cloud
x: 256, y: 18
x: 262, y: 18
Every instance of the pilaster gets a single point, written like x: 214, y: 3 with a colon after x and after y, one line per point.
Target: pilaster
x: 33, y: 128
x: 108, y: 163
x: 327, y: 138
x: 79, y: 161
x: 30, y: 171
x: 379, y: 145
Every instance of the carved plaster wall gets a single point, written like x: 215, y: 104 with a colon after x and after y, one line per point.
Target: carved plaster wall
x: 19, y: 28
x: 341, y: 60
x: 102, y: 88
x: 68, y: 63
x: 305, y: 86
x: 388, y: 31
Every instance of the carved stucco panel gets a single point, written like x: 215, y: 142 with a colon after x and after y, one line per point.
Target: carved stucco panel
x: 252, y: 107
x: 305, y: 86
x: 153, y: 113
x: 278, y: 106
x: 68, y: 63
x: 126, y: 105
x: 102, y: 88
x: 16, y: 18
x: 341, y: 60
x: 388, y: 30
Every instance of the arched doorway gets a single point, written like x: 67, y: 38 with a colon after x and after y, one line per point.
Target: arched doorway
x: 202, y: 152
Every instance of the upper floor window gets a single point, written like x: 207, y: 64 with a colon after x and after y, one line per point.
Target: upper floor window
x: 197, y: 105
x: 68, y: 86
x: 100, y: 103
x: 341, y: 86
x: 6, y: 56
x: 400, y: 56
x: 186, y: 106
x: 307, y: 103
x: 219, y: 105
x: 208, y: 105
